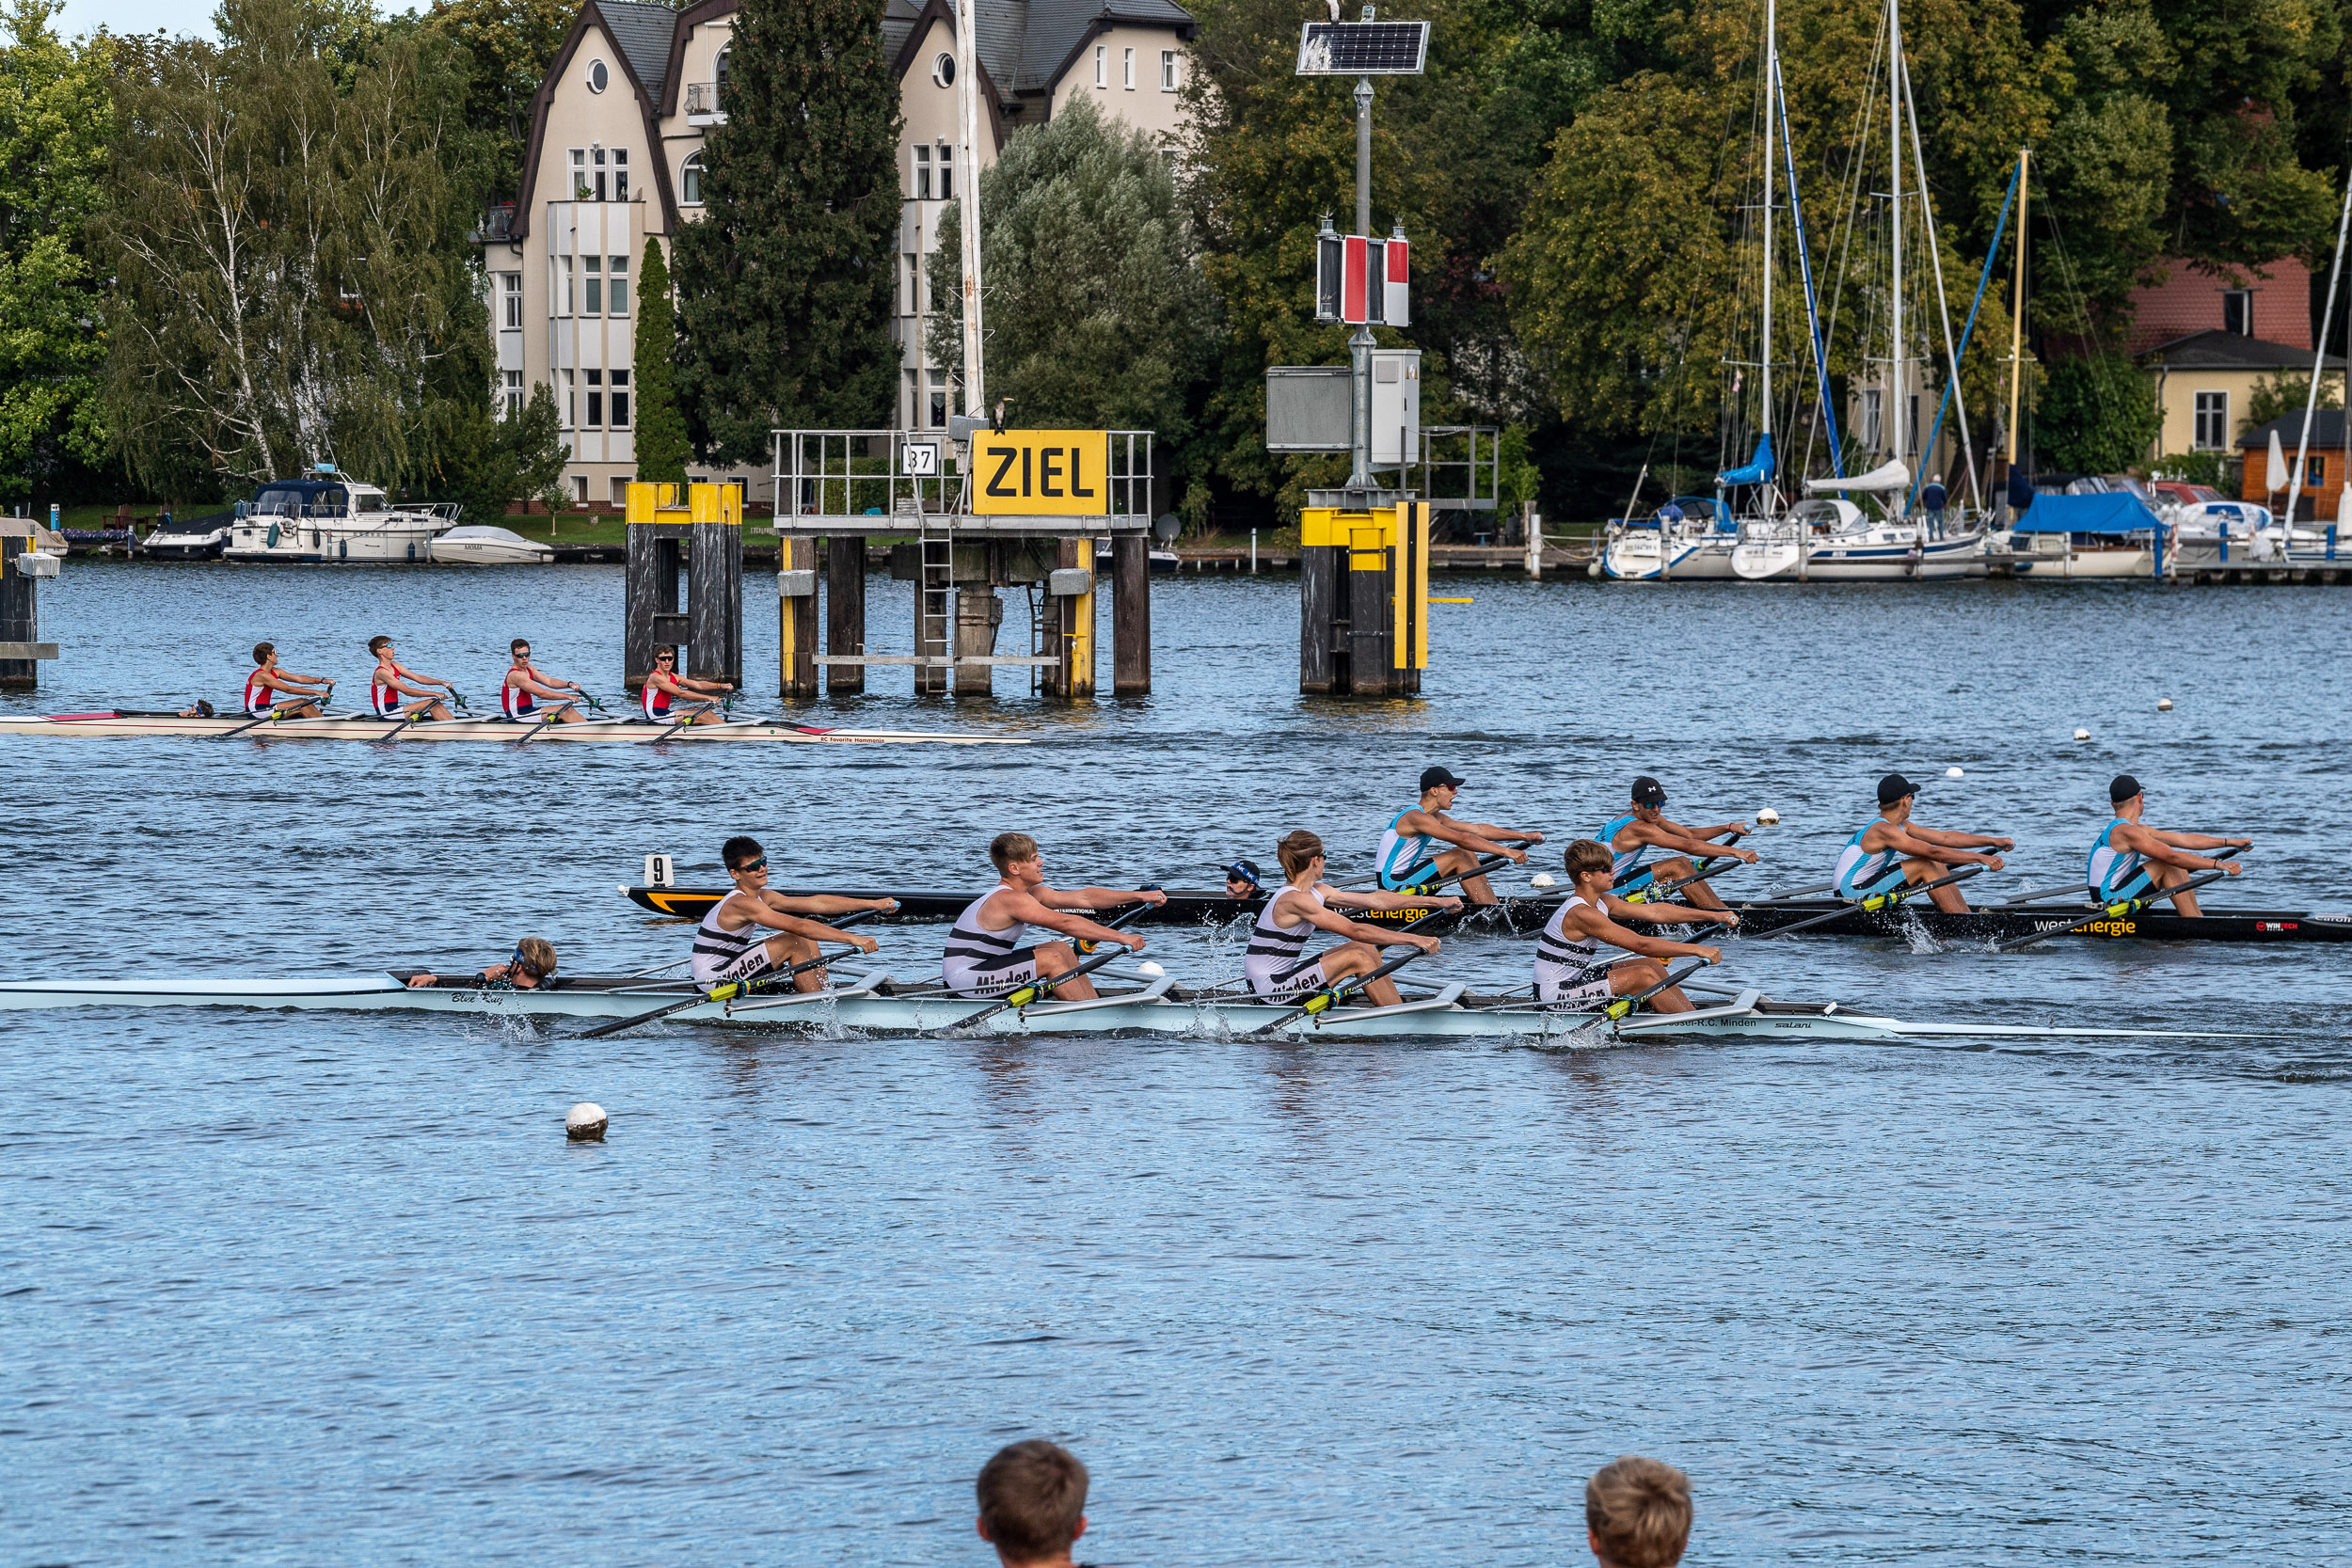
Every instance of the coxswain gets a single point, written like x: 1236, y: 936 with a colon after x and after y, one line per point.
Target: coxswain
x: 532, y: 968
x: 1276, y: 963
x: 273, y: 689
x: 390, y: 681
x: 1645, y: 827
x: 1894, y: 850
x: 665, y: 683
x: 2131, y: 860
x: 751, y: 931
x: 1409, y: 861
x: 524, y: 685
x: 987, y: 954
x: 1243, y: 881
x: 1572, y: 971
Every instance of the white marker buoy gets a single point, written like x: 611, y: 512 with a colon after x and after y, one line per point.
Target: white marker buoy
x: 2164, y: 704
x: 1767, y: 817
x: 2081, y: 734
x: 1148, y: 967
x: 1954, y: 773
x: 1541, y: 878
x: 585, y: 1122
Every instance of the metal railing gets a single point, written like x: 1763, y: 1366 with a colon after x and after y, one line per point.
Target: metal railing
x: 846, y: 474
x: 1461, y: 466
x: 703, y: 98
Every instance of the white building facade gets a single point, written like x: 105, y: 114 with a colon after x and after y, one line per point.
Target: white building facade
x: 615, y: 157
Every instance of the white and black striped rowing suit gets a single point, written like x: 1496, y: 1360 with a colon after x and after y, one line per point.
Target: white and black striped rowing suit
x: 721, y: 955
x: 1274, y: 949
x: 981, y: 962
x: 1568, y: 967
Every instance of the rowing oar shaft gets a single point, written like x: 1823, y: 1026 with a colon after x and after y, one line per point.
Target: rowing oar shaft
x: 2116, y: 909
x: 720, y: 994
x: 1331, y: 995
x: 1886, y: 900
x: 1625, y: 1004
x: 1042, y: 988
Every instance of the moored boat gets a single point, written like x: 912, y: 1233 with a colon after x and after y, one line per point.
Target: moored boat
x: 331, y: 517
x: 480, y: 545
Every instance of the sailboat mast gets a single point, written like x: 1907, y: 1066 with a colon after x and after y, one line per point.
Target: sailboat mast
x: 2017, y: 307
x: 1771, y: 76
x: 1895, y: 167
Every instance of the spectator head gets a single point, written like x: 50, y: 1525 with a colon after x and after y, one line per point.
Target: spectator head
x: 1637, y: 1514
x: 1033, y: 1501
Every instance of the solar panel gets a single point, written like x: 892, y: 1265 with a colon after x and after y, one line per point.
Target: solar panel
x: 1362, y: 48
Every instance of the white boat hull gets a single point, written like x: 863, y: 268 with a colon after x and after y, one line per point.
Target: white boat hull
x: 492, y: 731
x: 325, y: 539
x: 1644, y: 557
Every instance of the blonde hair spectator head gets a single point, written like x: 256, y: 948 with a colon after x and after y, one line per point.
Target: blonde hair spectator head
x: 1033, y: 1502
x: 1637, y: 1514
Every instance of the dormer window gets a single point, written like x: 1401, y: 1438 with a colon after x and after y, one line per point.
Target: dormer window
x: 2237, y: 312
x: 600, y: 78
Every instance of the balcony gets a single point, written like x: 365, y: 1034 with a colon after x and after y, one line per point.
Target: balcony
x: 497, y: 225
x: 702, y: 104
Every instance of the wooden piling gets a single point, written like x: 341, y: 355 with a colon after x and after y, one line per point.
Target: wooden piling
x: 796, y: 646
x: 1072, y: 622
x: 844, y: 612
x: 714, y: 585
x: 1322, y: 661
x: 20, y: 614
x: 978, y: 613
x: 1131, y: 616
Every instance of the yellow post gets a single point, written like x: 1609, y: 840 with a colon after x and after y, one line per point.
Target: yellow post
x: 1080, y: 614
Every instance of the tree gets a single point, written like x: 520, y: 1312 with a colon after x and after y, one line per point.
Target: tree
x: 518, y: 457
x: 286, y: 233
x: 785, y: 284
x: 2097, y: 415
x: 1098, y: 313
x: 510, y: 44
x: 661, y: 449
x: 2285, y: 392
x: 56, y: 118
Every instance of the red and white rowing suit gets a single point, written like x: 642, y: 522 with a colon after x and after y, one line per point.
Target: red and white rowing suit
x: 656, y: 701
x: 514, y: 699
x: 383, y: 696
x: 258, y: 699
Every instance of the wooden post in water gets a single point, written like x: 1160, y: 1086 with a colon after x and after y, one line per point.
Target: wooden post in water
x: 978, y: 614
x: 709, y: 633
x: 1131, y: 616
x: 1073, y: 621
x: 1363, y: 600
x: 1321, y: 617
x: 21, y: 647
x: 714, y: 585
x: 796, y: 613
x: 844, y: 612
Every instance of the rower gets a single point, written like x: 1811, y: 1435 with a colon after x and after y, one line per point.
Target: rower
x: 731, y: 943
x: 524, y: 685
x: 1894, y: 850
x: 1407, y: 862
x: 532, y: 968
x: 271, y: 689
x: 1571, y: 971
x: 2131, y: 860
x: 1276, y: 964
x: 986, y: 954
x: 392, y: 680
x: 1645, y: 827
x: 666, y: 683
x: 1243, y: 882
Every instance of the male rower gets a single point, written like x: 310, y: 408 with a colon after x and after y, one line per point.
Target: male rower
x: 391, y: 681
x: 751, y: 931
x: 274, y: 690
x: 532, y: 968
x: 1276, y: 963
x: 1572, y: 973
x: 524, y: 685
x: 1894, y: 850
x: 986, y: 954
x: 1408, y: 861
x: 1645, y: 827
x: 2131, y: 860
x: 665, y: 683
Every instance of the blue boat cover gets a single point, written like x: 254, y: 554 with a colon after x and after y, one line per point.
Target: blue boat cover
x: 2116, y: 511
x: 1760, y: 469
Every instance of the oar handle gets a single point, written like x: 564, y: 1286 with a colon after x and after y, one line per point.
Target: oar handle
x: 1624, y: 1006
x: 1329, y: 996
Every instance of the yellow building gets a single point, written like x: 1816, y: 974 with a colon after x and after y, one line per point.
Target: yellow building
x: 2205, y: 383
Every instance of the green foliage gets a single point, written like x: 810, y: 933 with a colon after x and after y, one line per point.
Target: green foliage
x: 661, y: 449
x: 784, y: 286
x: 286, y: 230
x: 1517, y: 480
x: 509, y: 45
x: 520, y: 457
x: 56, y: 118
x: 1097, y: 312
x: 2097, y: 415
x: 2284, y: 393
x: 2200, y: 468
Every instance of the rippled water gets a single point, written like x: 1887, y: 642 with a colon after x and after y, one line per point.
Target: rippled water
x: 315, y: 1287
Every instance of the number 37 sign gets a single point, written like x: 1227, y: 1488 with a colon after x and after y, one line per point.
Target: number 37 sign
x: 1040, y: 472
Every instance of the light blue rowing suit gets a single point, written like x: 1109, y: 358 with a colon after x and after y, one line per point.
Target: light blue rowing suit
x: 2114, y: 873
x: 1629, y: 870
x: 1409, y: 863
x: 1861, y: 874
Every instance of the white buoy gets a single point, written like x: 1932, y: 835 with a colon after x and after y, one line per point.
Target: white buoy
x: 2081, y: 734
x: 585, y: 1123
x: 1767, y: 817
x: 1954, y: 773
x: 1541, y: 878
x: 1148, y: 967
x: 2164, y: 704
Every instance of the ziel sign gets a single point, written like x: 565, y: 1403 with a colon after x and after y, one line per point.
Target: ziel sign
x: 1042, y: 473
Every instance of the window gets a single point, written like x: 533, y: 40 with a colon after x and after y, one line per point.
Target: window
x: 591, y: 289
x: 512, y: 391
x: 595, y: 398
x: 2213, y: 422
x: 582, y: 190
x: 616, y: 291
x: 939, y: 405
x: 620, y: 491
x: 1168, y: 71
x: 598, y: 77
x: 563, y: 286
x: 2315, y: 472
x: 2238, y: 312
x: 1102, y: 65
x: 580, y: 489
x: 571, y: 401
x: 721, y: 73
x: 620, y: 174
x: 620, y: 399
x: 915, y: 287
x: 946, y: 172
x: 690, y: 182
x: 922, y: 174
x: 511, y: 300
x: 1127, y: 70
x: 944, y: 70
x: 1869, y: 421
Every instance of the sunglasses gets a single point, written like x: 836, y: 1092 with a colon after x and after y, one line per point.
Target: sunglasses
x: 665, y: 658
x: 519, y: 962
x: 750, y: 866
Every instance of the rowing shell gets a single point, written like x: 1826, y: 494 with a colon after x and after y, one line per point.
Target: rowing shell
x: 1524, y: 914
x: 500, y: 728
x: 875, y: 1003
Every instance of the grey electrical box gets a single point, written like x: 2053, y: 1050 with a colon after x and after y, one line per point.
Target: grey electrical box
x: 1306, y: 407
x: 1395, y: 406
x: 796, y: 585
x: 1067, y: 582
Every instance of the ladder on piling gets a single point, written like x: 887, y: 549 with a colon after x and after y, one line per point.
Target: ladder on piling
x: 934, y: 608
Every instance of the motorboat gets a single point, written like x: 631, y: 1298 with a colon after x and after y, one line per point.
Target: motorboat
x: 196, y: 539
x: 2106, y: 534
x: 331, y: 516
x: 480, y: 545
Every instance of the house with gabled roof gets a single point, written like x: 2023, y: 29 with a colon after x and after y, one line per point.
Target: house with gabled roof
x: 615, y: 155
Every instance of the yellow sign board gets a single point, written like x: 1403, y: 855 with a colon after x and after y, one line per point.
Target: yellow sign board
x: 1062, y: 473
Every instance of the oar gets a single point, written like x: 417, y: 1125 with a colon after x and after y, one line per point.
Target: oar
x: 1620, y: 1007
x: 2113, y: 910
x: 720, y: 993
x: 1786, y: 895
x: 554, y: 714
x: 1042, y: 988
x: 2042, y: 895
x: 1322, y: 999
x: 1709, y: 868
x: 1886, y: 900
x: 693, y: 713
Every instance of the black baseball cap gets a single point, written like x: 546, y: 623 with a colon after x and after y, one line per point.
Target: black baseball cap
x: 2123, y: 788
x: 1648, y: 792
x: 1894, y: 787
x: 1430, y: 778
x: 1246, y: 871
